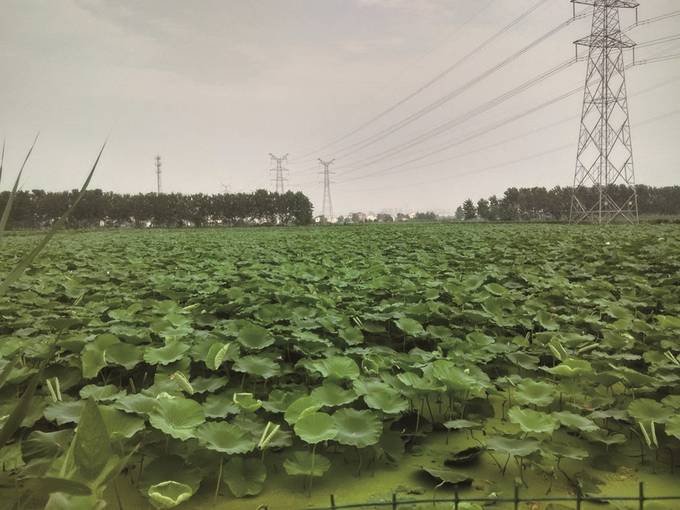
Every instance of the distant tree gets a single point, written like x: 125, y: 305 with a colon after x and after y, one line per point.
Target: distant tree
x: 483, y: 209
x: 494, y: 208
x: 460, y: 214
x: 385, y: 218
x: 469, y: 210
x: 425, y: 216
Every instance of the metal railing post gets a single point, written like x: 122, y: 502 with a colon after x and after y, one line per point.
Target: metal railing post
x: 642, y: 495
x: 516, y: 497
x: 394, y: 501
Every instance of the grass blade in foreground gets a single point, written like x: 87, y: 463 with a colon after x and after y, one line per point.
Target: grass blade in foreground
x: 16, y: 273
x: 12, y: 195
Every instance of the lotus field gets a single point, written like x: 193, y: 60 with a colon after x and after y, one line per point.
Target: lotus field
x: 231, y: 369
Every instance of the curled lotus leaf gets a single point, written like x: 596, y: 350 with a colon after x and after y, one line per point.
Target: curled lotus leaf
x: 301, y: 407
x: 255, y: 337
x: 576, y: 421
x: 315, y: 428
x: 357, y: 428
x: 244, y: 477
x: 564, y: 451
x: 538, y: 393
x: 225, y: 438
x: 279, y: 400
x: 571, y: 368
x: 257, y: 366
x: 419, y: 383
x: 169, y: 353
x: 646, y: 410
x: 447, y: 475
x: 381, y: 396
x: 462, y: 424
x: 177, y: 417
x: 332, y: 395
x: 246, y: 402
x: 533, y: 421
x: 456, y: 378
x: 511, y: 446
x: 306, y: 464
x: 169, y: 494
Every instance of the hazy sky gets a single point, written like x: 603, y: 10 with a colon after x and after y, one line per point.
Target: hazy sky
x: 215, y: 85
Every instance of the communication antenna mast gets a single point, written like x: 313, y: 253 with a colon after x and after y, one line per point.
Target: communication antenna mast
x: 604, y: 179
x: 158, y: 174
x: 327, y: 209
x: 280, y: 180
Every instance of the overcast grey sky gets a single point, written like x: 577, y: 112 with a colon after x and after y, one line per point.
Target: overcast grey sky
x: 215, y: 85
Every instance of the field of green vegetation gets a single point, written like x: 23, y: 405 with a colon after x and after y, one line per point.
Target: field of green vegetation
x: 231, y: 369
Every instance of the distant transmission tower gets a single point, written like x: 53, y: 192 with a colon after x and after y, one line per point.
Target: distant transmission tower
x: 604, y: 180
x: 280, y: 180
x: 327, y: 209
x: 158, y: 175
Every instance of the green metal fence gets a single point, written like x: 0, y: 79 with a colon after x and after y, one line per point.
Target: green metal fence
x: 578, y: 500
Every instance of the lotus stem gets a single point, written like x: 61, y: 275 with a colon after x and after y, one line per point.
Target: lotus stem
x: 219, y: 480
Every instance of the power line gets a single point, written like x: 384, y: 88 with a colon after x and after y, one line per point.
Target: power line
x: 430, y: 82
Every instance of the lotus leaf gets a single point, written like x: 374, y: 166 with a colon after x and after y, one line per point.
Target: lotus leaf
x: 464, y: 457
x: 244, y: 477
x: 352, y: 336
x: 315, y: 428
x: 456, y: 378
x: 575, y: 421
x: 332, y: 395
x: 120, y: 425
x: 301, y: 407
x: 137, y: 403
x: 160, y: 472
x: 447, y: 475
x: 462, y: 424
x: 247, y: 402
x: 93, y: 356
x: 279, y: 400
x: 571, y: 368
x: 496, y: 289
x: 169, y: 494
x: 381, y: 396
x: 219, y: 353
x: 124, y: 354
x: 258, y: 366
x: 177, y: 417
x: 306, y: 464
x: 336, y: 368
x: 220, y: 405
x: 101, y: 393
x: 255, y: 337
x: 208, y: 384
x: 225, y: 438
x: 533, y: 421
x: 410, y: 327
x: 167, y: 354
x: 530, y: 392
x: 64, y: 412
x: 673, y: 426
x: 514, y: 447
x: 564, y: 451
x: 357, y: 428
x: 646, y: 410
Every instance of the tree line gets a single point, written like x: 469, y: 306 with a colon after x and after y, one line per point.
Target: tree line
x: 525, y: 204
x: 38, y: 208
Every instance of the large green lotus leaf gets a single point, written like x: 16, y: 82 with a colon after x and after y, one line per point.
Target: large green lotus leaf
x: 315, y: 428
x: 381, y: 396
x: 672, y: 401
x: 477, y: 339
x: 523, y: 360
x: 93, y: 356
x: 533, y: 421
x: 218, y: 353
x: 178, y: 417
x: 169, y: 494
x: 530, y: 392
x: 258, y: 366
x: 162, y: 470
x: 462, y: 424
x: 34, y: 413
x: 11, y: 458
x: 357, y: 428
x: 124, y: 354
x: 455, y: 378
x: 225, y: 438
x: 40, y: 444
x: 410, y: 327
x: 64, y: 412
x: 571, y: 368
x: 646, y: 410
x: 564, y: 450
x: 352, y: 335
x: 220, y: 405
x: 279, y: 400
x: 244, y: 477
x: 510, y: 446
x: 255, y: 337
x: 668, y: 322
x: 171, y: 352
x: 448, y: 475
x: 420, y: 383
x: 101, y: 393
x: 120, y: 425
x: 208, y: 384
x: 332, y: 395
x: 575, y: 421
x: 496, y: 289
x: 301, y: 407
x: 547, y: 321
x: 137, y: 403
x: 91, y: 444
x: 336, y: 367
x: 306, y: 464
x: 673, y: 426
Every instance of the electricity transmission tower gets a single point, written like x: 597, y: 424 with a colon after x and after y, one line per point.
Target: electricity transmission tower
x: 604, y: 180
x: 327, y: 209
x: 280, y: 180
x: 158, y: 175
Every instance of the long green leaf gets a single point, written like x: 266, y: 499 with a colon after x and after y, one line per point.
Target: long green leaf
x: 7, y: 370
x: 20, y: 410
x: 13, y: 193
x: 28, y: 259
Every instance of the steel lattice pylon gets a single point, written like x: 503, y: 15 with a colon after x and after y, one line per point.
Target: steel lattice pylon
x: 280, y: 179
x: 604, y: 180
x: 327, y: 209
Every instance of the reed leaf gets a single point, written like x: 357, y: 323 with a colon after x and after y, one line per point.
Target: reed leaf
x: 28, y: 259
x: 13, y: 193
